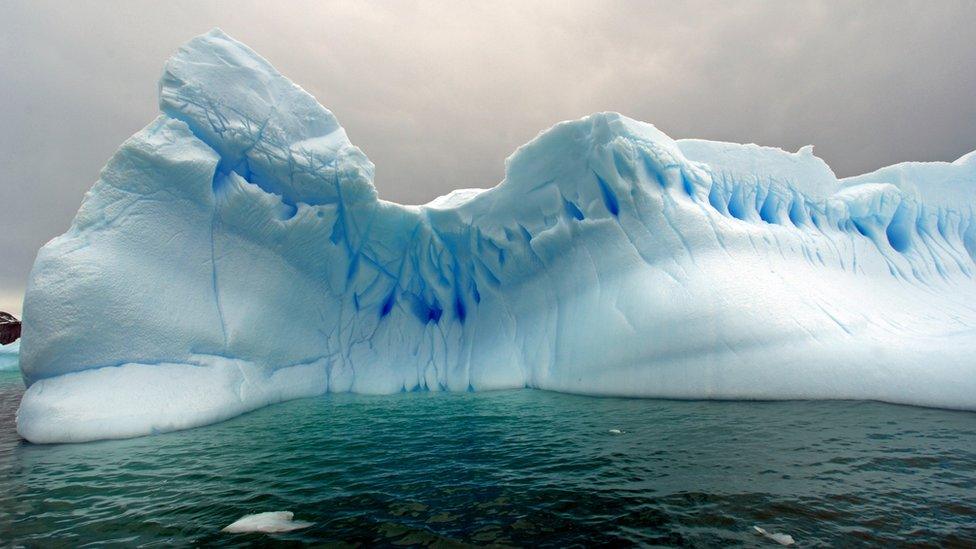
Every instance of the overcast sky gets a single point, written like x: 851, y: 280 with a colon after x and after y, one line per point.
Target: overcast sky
x: 439, y: 93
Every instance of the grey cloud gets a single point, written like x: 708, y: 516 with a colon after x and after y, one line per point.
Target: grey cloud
x: 438, y: 94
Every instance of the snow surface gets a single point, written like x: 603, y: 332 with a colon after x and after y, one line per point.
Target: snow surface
x: 234, y: 253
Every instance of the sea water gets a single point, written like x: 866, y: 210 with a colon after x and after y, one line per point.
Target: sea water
x: 512, y: 468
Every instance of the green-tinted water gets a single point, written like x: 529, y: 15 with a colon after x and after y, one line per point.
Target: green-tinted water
x: 515, y: 468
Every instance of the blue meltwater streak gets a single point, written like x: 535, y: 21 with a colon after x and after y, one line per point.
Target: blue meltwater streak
x: 525, y: 468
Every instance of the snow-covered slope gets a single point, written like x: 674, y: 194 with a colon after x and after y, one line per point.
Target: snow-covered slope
x: 234, y: 253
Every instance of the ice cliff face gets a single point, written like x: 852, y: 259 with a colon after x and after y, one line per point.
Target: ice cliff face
x: 234, y: 253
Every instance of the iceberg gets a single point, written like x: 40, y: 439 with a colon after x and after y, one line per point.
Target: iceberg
x: 9, y: 356
x: 234, y: 253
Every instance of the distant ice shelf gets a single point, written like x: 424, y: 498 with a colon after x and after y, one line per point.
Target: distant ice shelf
x: 234, y: 253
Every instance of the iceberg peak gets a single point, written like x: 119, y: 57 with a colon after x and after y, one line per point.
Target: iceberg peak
x: 263, y: 126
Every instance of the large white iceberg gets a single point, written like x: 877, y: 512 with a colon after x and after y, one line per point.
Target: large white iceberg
x: 234, y: 253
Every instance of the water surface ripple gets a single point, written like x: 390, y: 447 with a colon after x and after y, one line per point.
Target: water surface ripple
x: 508, y: 468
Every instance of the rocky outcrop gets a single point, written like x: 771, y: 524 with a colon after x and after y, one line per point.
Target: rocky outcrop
x: 9, y: 328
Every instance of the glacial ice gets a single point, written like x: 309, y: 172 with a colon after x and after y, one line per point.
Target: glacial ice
x: 782, y: 539
x: 234, y: 253
x: 271, y: 522
x: 9, y: 356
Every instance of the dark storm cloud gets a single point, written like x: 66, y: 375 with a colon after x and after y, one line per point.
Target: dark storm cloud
x: 438, y: 94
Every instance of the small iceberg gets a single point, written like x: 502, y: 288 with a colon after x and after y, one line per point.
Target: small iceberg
x: 10, y: 356
x: 782, y: 539
x: 268, y: 523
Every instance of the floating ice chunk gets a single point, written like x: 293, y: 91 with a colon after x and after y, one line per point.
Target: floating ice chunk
x: 268, y: 523
x: 782, y: 539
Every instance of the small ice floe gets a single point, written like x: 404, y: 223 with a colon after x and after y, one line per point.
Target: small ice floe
x: 268, y: 523
x: 616, y: 432
x: 782, y: 539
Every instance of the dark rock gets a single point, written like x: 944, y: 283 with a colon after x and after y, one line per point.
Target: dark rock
x: 9, y: 328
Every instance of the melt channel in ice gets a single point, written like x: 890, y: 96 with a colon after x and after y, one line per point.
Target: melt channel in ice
x: 234, y: 253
